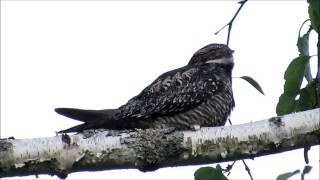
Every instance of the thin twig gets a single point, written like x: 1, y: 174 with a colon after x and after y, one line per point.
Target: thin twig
x: 247, y: 169
x: 305, y: 154
x: 228, y: 168
x: 304, y: 22
x: 231, y: 21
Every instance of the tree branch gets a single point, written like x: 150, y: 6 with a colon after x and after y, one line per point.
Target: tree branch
x: 149, y: 149
x: 231, y: 21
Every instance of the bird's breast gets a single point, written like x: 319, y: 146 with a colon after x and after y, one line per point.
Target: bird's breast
x: 213, y: 112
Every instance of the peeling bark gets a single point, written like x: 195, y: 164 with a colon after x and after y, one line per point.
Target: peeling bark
x: 151, y: 149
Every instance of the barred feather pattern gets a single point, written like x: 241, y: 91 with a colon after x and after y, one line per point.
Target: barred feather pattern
x: 183, y: 98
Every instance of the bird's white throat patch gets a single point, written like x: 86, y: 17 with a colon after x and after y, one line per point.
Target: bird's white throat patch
x: 221, y: 60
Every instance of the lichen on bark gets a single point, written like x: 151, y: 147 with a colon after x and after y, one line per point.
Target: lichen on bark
x: 154, y: 147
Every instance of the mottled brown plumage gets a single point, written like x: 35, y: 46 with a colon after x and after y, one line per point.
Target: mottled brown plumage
x: 198, y: 94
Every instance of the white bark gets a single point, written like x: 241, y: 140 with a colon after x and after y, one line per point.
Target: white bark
x: 151, y: 149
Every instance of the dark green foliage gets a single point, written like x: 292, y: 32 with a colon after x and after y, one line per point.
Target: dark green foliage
x: 294, y: 98
x: 287, y: 175
x: 307, y: 98
x: 314, y: 14
x: 294, y: 75
x: 305, y: 171
x: 303, y: 48
x: 209, y: 173
x: 254, y: 83
x: 303, y: 44
x: 286, y: 104
x: 293, y: 79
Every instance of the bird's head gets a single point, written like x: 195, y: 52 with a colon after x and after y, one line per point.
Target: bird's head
x: 213, y: 53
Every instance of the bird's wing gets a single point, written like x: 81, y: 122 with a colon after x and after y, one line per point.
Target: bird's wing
x: 175, y: 91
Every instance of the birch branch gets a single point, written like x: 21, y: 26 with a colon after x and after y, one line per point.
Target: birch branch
x: 149, y: 149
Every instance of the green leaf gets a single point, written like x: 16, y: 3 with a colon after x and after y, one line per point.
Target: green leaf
x: 209, y: 173
x: 254, y: 83
x: 303, y: 48
x: 303, y: 44
x: 315, y: 4
x: 294, y: 75
x: 314, y: 14
x: 307, y: 73
x: 287, y: 175
x: 293, y: 78
x: 286, y: 104
x: 306, y: 169
x: 307, y: 98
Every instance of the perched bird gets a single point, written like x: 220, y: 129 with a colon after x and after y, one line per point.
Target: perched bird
x: 198, y: 94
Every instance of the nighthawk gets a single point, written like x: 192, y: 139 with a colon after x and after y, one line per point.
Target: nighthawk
x: 198, y: 94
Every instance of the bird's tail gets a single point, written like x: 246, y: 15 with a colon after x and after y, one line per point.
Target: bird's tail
x: 78, y: 128
x: 93, y: 119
